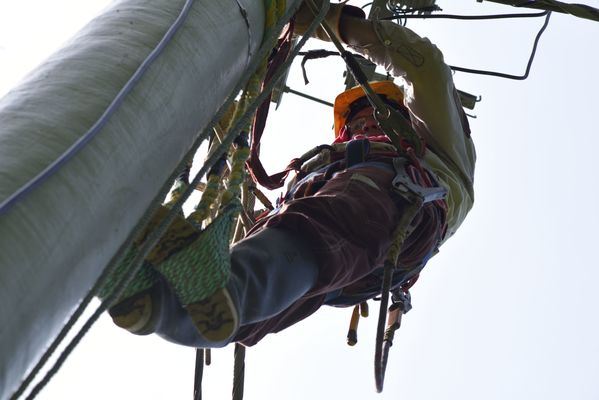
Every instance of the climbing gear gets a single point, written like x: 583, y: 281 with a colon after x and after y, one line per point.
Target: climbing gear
x: 198, y: 274
x: 416, y: 196
x: 257, y: 289
x: 171, y: 257
x: 409, y: 143
x: 254, y: 164
x: 404, y: 185
x: 342, y: 108
x: 394, y: 315
x: 133, y: 309
x: 360, y: 310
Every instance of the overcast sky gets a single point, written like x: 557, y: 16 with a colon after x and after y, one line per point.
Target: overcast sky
x: 507, y: 310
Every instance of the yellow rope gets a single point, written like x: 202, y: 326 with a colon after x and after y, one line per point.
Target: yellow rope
x: 237, y: 176
x: 213, y: 186
x: 178, y: 189
x: 210, y: 194
x: 240, y: 153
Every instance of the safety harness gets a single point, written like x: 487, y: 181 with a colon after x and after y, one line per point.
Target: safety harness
x: 416, y: 189
x: 412, y: 183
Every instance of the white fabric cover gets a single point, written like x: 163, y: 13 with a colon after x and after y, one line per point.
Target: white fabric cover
x: 56, y: 240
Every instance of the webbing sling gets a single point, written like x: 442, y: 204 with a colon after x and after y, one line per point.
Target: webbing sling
x: 254, y: 164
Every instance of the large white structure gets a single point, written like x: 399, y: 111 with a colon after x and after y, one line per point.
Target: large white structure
x: 71, y: 194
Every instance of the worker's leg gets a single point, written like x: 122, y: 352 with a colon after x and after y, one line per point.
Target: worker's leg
x: 269, y: 271
x: 348, y: 222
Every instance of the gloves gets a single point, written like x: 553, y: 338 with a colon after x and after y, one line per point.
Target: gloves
x: 304, y: 17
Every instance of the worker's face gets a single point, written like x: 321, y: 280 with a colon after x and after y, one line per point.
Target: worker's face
x: 364, y: 124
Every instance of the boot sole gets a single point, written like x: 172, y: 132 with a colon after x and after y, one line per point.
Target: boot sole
x: 135, y: 314
x: 215, y: 317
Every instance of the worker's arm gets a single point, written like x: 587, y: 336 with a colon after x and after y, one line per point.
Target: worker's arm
x: 430, y: 93
x: 437, y: 114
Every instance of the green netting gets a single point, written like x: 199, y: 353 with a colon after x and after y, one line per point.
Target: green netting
x: 144, y: 278
x: 203, y: 266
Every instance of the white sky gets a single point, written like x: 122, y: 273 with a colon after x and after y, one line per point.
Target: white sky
x: 506, y: 310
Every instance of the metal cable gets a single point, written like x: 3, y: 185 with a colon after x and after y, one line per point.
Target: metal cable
x: 509, y: 76
x: 545, y: 14
x: 578, y: 10
x: 199, y: 374
x: 466, y: 17
x: 238, y: 371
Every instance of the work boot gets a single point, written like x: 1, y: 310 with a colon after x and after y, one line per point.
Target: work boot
x: 137, y: 314
x: 216, y: 317
x: 175, y: 324
x: 270, y: 270
x: 135, y: 310
x: 198, y: 273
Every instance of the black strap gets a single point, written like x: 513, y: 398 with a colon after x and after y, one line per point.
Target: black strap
x: 356, y: 151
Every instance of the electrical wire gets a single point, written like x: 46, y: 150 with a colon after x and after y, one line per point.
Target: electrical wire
x: 464, y: 17
x: 510, y: 76
x: 546, y: 14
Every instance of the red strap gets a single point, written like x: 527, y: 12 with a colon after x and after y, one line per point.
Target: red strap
x: 254, y: 164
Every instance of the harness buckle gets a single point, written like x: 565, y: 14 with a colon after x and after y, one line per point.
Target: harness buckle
x: 411, y: 191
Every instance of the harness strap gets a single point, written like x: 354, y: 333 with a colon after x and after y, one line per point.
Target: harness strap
x: 411, y: 191
x: 356, y: 151
x: 254, y: 164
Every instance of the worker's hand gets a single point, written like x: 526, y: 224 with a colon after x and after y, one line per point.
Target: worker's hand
x: 304, y: 17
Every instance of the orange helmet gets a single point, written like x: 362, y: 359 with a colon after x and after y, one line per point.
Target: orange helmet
x: 344, y: 101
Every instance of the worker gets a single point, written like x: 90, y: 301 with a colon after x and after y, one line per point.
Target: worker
x: 326, y: 241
